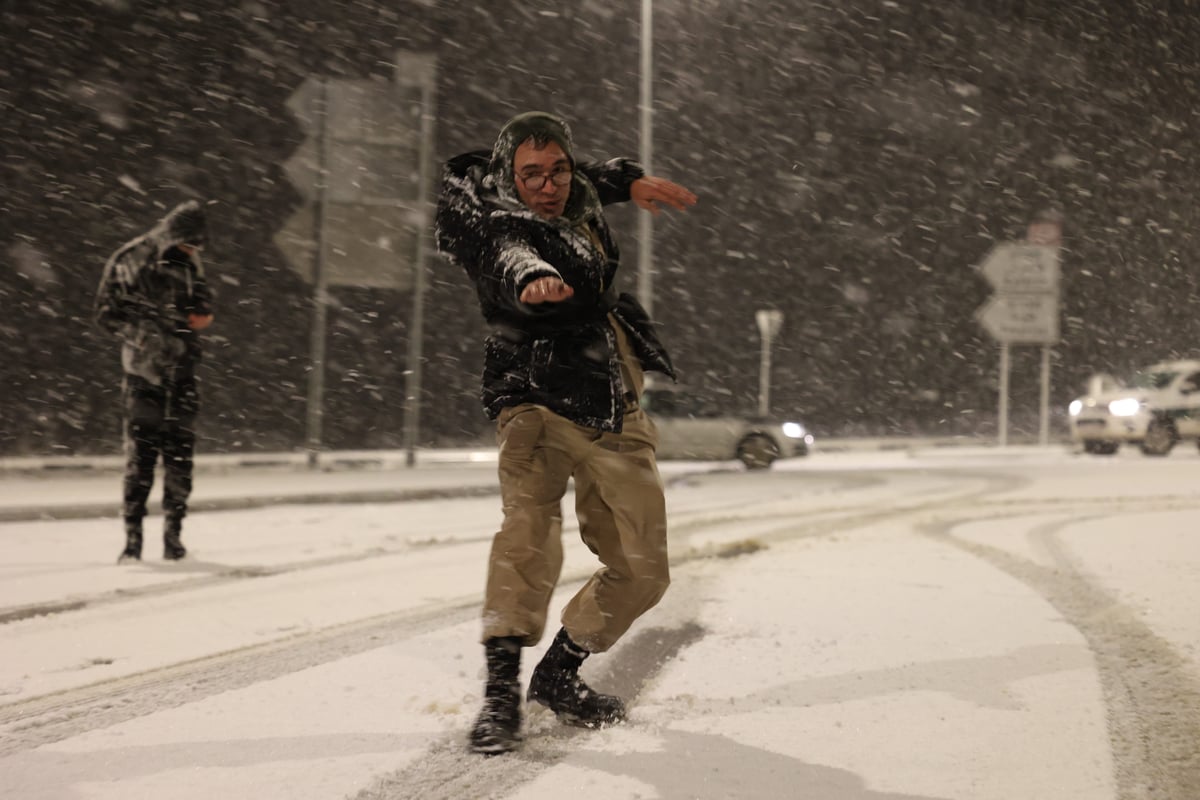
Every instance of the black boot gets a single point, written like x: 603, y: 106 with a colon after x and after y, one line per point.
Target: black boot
x: 498, y: 727
x: 173, y: 548
x: 133, y: 542
x: 556, y: 684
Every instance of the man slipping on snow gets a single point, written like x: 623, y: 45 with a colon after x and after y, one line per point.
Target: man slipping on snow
x: 562, y: 377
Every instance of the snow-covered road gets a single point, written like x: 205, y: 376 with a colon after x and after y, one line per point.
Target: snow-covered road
x: 943, y: 624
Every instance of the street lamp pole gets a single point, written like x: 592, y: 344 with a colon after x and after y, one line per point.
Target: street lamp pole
x: 645, y: 283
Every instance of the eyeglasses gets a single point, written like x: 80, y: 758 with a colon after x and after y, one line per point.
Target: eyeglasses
x: 535, y: 182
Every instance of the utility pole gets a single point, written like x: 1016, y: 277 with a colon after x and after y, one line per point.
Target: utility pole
x: 645, y: 283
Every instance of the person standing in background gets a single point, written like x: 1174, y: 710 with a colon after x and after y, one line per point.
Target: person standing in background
x: 154, y: 298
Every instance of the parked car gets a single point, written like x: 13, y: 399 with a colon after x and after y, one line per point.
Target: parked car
x: 691, y: 427
x: 1155, y: 409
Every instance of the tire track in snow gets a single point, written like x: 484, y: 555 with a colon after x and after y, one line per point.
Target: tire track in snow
x: 1151, y: 694
x: 57, y: 716
x: 49, y: 718
x: 449, y: 771
x: 219, y: 574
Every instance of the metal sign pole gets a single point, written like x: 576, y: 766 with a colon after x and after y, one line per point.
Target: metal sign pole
x: 316, y: 374
x: 1004, y: 370
x: 764, y: 378
x: 1044, y: 417
x: 645, y: 283
x: 769, y: 322
x: 412, y: 410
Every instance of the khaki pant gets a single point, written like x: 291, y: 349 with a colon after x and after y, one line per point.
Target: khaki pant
x: 622, y: 518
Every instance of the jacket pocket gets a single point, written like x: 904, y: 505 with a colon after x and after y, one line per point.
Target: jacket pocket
x: 568, y: 366
x: 518, y: 434
x: 541, y: 362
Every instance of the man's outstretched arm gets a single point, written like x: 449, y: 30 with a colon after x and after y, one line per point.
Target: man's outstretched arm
x: 648, y: 192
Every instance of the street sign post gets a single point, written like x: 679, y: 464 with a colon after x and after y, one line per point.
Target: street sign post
x: 1024, y: 308
x: 769, y: 322
x: 364, y: 173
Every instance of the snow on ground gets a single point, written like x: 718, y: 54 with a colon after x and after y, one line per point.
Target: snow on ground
x: 942, y: 624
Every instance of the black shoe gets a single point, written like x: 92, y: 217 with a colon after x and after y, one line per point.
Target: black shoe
x: 556, y: 684
x: 173, y: 548
x: 498, y: 728
x: 133, y: 545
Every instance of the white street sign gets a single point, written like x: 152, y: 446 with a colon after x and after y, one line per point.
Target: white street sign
x: 1024, y: 318
x: 769, y: 322
x: 1013, y: 267
x: 359, y: 171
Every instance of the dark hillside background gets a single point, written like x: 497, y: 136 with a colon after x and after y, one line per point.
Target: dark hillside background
x: 854, y: 161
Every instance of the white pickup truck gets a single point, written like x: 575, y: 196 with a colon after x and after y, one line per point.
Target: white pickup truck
x: 1157, y: 408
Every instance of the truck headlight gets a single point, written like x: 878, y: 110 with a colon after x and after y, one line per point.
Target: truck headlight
x: 1075, y: 407
x: 1125, y: 407
x: 793, y: 430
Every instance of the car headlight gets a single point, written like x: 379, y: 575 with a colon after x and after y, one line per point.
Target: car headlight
x: 1075, y: 407
x: 1125, y: 407
x: 793, y: 430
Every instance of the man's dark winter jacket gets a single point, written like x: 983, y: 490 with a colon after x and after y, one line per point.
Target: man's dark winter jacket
x: 148, y: 289
x: 559, y: 355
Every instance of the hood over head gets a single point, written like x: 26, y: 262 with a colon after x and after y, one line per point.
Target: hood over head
x: 186, y: 223
x: 538, y: 125
x: 541, y: 126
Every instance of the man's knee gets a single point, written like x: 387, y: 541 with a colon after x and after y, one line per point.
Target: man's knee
x: 650, y: 587
x: 140, y: 455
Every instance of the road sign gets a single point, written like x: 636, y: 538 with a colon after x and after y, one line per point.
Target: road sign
x: 1012, y: 267
x: 359, y: 172
x: 365, y: 246
x: 1024, y: 309
x: 1021, y: 318
x: 769, y: 322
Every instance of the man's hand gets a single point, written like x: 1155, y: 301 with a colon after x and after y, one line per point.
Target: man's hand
x: 199, y: 322
x: 648, y: 192
x: 546, y: 290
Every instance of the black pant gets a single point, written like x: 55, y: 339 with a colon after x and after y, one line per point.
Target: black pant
x: 158, y: 420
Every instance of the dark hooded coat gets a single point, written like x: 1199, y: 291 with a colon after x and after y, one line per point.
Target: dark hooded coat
x: 559, y: 355
x: 148, y: 289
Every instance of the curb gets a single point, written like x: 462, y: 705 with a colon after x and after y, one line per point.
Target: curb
x: 112, y: 510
